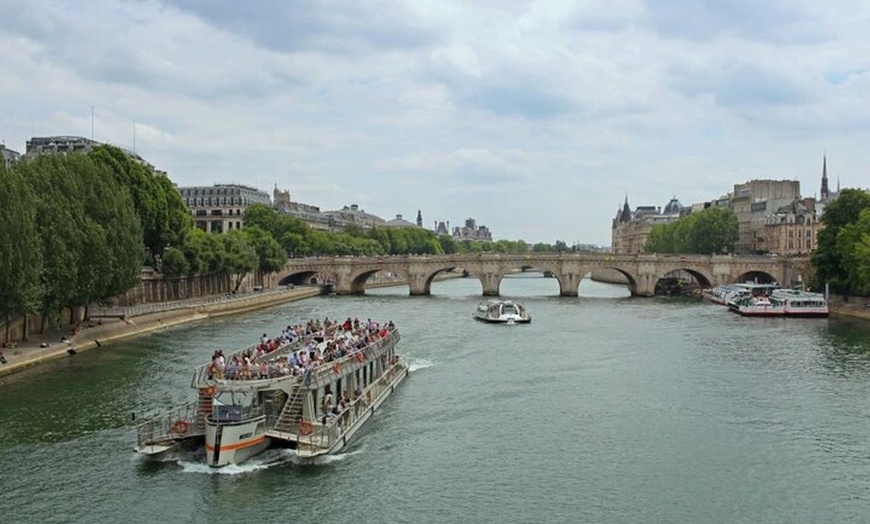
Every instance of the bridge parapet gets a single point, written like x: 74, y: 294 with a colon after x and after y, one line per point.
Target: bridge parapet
x: 349, y: 274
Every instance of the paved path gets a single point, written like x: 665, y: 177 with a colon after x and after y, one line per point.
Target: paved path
x: 58, y: 344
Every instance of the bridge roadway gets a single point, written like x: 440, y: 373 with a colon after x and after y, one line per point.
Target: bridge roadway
x: 349, y: 274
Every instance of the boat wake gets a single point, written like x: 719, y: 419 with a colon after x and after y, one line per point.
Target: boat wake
x: 324, y: 460
x: 419, y: 364
x: 265, y: 460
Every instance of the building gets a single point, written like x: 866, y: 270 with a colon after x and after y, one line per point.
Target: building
x: 471, y: 231
x: 54, y: 145
x: 792, y: 229
x: 352, y: 215
x: 399, y: 222
x: 630, y: 230
x: 307, y: 213
x: 221, y: 208
x: 10, y: 157
x: 752, y: 202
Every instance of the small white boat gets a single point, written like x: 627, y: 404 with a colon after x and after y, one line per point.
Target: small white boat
x: 502, y: 312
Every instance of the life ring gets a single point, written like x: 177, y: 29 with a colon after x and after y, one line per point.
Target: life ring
x: 368, y: 397
x: 336, y: 367
x: 181, y: 427
x: 306, y: 428
x: 360, y: 356
x: 209, y: 391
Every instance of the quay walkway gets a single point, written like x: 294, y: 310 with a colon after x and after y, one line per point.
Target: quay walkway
x: 112, y: 324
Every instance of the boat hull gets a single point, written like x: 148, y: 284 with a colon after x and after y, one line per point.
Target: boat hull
x: 235, y: 442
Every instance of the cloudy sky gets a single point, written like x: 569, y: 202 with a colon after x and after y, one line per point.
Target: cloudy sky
x: 536, y: 118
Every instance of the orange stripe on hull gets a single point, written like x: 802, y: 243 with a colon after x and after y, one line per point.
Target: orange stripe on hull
x: 239, y: 445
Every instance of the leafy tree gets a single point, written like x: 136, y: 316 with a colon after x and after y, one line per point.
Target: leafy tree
x: 831, y: 257
x: 174, y: 262
x: 712, y: 231
x: 20, y: 249
x: 164, y: 218
x: 241, y: 257
x: 271, y: 257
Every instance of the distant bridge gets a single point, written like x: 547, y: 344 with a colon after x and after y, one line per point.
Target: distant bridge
x: 349, y: 274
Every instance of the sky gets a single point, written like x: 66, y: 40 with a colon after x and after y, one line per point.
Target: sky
x: 535, y: 118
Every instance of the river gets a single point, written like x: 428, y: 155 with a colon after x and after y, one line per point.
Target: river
x: 603, y: 409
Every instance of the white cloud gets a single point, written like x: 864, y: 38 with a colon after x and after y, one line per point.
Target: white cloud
x: 535, y: 118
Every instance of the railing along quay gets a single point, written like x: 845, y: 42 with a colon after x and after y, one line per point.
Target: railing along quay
x: 162, y: 307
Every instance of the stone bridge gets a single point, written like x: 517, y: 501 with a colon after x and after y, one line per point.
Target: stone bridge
x: 349, y: 274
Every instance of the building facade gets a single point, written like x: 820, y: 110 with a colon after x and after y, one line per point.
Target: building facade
x: 630, y: 229
x: 792, y: 230
x: 752, y: 202
x: 221, y: 208
x: 471, y: 231
x: 8, y: 156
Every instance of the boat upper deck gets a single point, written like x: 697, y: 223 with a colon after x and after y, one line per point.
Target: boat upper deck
x: 300, y: 353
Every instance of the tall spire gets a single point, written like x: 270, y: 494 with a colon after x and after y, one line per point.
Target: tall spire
x: 825, y: 193
x: 419, y: 219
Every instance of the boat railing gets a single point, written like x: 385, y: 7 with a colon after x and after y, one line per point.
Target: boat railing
x: 178, y: 423
x: 202, y: 374
x: 327, y: 430
x: 324, y: 373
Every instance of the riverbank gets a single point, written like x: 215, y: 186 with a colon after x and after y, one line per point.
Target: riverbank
x: 58, y: 344
x: 856, y: 307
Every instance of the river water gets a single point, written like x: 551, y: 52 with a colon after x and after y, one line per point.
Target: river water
x: 603, y: 409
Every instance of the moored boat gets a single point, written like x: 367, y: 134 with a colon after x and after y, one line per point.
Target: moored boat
x: 799, y: 303
x: 760, y: 306
x: 502, y: 312
x: 310, y: 393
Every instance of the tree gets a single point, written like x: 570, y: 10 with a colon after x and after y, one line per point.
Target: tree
x: 828, y: 258
x: 712, y: 231
x: 164, y: 218
x: 20, y: 250
x: 271, y: 257
x: 241, y: 257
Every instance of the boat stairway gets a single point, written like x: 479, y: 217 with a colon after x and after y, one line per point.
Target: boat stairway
x: 288, y: 420
x: 205, y: 402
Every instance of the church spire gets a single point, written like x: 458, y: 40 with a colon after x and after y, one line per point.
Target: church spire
x: 825, y: 193
x: 419, y: 219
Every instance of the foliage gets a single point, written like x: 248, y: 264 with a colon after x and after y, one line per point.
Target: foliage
x: 712, y: 231
x: 165, y: 220
x: 21, y: 256
x: 87, y: 228
x: 836, y: 260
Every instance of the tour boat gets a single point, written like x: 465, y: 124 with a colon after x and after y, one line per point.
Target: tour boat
x: 799, y: 303
x: 271, y: 401
x: 502, y: 311
x: 783, y: 303
x: 760, y: 306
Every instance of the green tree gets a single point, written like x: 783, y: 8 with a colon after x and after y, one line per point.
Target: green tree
x: 712, y: 231
x: 164, y: 218
x: 828, y: 258
x: 271, y: 256
x: 241, y: 257
x: 20, y: 250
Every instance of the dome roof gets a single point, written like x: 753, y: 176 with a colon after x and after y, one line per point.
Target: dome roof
x: 673, y: 208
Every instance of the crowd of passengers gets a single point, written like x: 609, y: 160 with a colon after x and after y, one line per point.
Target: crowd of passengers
x: 342, y: 339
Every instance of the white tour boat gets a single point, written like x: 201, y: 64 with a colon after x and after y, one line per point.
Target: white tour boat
x: 799, y: 303
x: 502, y: 311
x: 271, y: 402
